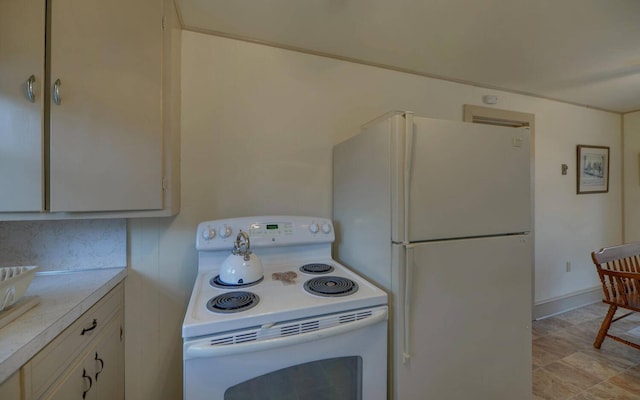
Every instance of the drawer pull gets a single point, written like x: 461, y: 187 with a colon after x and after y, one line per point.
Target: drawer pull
x: 101, y: 361
x: 93, y: 326
x: 85, y: 376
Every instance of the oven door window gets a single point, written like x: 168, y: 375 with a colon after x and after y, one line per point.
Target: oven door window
x: 334, y: 378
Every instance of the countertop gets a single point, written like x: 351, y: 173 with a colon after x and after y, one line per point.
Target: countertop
x: 65, y: 296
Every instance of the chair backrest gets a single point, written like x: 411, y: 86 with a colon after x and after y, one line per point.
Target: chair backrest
x: 622, y: 258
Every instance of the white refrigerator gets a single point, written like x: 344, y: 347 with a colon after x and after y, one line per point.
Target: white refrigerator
x: 439, y: 214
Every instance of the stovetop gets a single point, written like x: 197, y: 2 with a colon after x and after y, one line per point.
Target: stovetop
x: 278, y: 300
x: 283, y: 245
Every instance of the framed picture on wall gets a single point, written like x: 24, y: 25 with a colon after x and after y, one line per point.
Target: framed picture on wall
x: 593, y: 169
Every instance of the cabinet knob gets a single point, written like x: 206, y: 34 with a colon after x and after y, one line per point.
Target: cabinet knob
x: 56, y: 91
x: 30, y: 84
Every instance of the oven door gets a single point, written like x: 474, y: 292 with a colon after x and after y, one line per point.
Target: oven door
x: 339, y: 356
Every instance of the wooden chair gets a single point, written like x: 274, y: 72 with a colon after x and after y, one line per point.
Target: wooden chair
x: 619, y: 270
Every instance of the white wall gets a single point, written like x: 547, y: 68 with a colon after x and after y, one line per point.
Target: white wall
x: 258, y: 126
x: 569, y: 226
x: 631, y: 124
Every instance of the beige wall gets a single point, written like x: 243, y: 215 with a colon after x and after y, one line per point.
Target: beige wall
x: 258, y: 126
x: 631, y: 123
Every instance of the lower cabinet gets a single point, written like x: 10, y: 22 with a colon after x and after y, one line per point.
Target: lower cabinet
x: 98, y: 375
x: 10, y: 389
x: 86, y: 361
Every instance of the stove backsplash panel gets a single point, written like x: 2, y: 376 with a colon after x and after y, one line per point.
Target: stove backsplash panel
x: 64, y: 245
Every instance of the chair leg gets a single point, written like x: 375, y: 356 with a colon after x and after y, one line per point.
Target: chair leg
x: 604, y: 328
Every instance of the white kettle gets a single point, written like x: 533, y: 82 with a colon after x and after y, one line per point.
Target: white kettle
x: 242, y: 266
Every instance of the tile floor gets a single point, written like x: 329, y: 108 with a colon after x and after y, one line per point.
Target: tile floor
x: 567, y: 366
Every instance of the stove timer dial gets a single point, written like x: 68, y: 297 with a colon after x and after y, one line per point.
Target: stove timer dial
x: 208, y: 233
x: 326, y: 228
x: 225, y: 232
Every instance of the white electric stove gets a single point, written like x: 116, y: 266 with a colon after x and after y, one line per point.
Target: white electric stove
x: 308, y: 312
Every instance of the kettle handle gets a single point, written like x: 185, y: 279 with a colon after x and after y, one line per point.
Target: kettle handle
x: 242, y: 245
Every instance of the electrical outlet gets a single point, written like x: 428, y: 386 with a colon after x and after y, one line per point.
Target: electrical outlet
x: 568, y: 265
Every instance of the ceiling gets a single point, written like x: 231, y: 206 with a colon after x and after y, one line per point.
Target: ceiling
x: 584, y: 52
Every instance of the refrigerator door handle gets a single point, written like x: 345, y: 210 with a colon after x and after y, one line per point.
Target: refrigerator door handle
x: 408, y: 278
x: 408, y: 151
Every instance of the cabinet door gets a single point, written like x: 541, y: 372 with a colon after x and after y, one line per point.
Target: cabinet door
x: 21, y: 134
x: 10, y: 389
x: 106, y: 133
x: 108, y: 360
x: 77, y: 384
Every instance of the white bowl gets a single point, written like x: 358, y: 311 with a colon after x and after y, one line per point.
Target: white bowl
x: 14, y: 281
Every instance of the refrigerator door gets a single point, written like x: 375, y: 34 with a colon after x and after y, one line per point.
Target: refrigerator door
x: 467, y: 180
x: 462, y: 316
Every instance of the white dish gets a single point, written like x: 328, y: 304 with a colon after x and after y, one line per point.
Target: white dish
x: 14, y: 281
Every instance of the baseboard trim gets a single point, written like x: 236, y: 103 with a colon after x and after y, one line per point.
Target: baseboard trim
x: 567, y: 302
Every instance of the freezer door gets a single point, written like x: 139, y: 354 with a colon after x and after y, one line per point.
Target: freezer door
x: 467, y: 180
x: 464, y: 330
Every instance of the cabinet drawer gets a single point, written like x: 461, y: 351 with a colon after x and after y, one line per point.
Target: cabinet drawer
x: 57, y: 356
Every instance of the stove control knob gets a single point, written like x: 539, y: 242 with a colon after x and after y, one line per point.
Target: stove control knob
x: 314, y: 228
x: 326, y: 228
x: 208, y: 233
x: 225, y: 232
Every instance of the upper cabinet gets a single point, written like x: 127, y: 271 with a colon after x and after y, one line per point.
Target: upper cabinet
x: 22, y: 37
x: 99, y: 136
x: 105, y: 133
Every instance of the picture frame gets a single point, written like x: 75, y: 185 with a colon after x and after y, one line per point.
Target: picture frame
x: 593, y: 169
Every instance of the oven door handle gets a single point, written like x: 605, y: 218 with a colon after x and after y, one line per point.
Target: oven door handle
x: 203, y: 349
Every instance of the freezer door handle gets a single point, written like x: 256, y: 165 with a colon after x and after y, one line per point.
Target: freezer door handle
x: 408, y: 162
x: 408, y: 278
x: 203, y: 348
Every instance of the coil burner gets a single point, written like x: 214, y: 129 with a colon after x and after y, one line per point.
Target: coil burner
x: 331, y: 286
x: 316, y: 268
x: 232, y: 302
